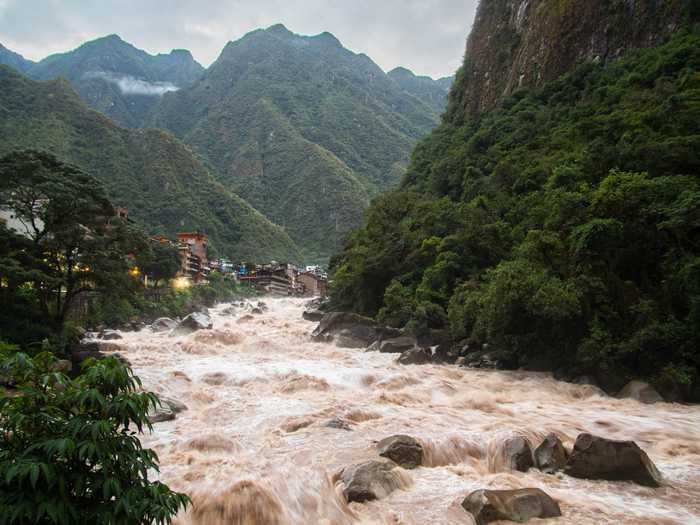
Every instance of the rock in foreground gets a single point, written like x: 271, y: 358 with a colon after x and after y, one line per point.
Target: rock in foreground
x: 402, y: 450
x: 163, y: 324
x: 398, y: 345
x: 370, y: 480
x: 595, y: 457
x: 519, y: 454
x: 313, y: 315
x: 551, y: 455
x: 513, y: 505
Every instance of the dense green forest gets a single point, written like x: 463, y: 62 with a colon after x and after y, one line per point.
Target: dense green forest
x: 166, y: 187
x: 562, y: 228
x: 303, y: 129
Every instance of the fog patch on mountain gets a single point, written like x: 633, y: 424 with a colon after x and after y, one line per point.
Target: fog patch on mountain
x: 129, y: 85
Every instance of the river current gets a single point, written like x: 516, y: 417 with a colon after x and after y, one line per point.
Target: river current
x: 253, y: 449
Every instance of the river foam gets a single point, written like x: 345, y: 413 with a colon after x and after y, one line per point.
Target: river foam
x: 253, y: 447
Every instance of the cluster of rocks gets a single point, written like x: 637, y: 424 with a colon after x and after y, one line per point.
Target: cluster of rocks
x: 245, y: 307
x: 349, y: 330
x: 592, y: 457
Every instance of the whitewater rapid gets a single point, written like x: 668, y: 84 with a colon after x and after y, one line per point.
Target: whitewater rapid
x: 252, y: 448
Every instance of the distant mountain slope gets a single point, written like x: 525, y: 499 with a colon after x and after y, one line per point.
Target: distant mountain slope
x: 285, y: 119
x: 165, y: 187
x: 432, y: 92
x: 14, y: 60
x: 117, y: 79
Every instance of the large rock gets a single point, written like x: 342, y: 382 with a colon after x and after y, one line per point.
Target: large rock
x: 519, y: 454
x: 402, y: 450
x: 174, y: 405
x: 641, y: 391
x: 194, y: 321
x: 415, y: 356
x: 351, y: 330
x: 490, y: 359
x: 551, y: 455
x: 313, y: 315
x: 370, y: 480
x: 110, y: 335
x: 161, y: 413
x: 163, y: 324
x: 512, y: 505
x: 446, y: 353
x: 397, y: 345
x: 595, y: 457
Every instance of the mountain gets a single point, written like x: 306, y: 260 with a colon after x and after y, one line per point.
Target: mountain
x: 526, y: 43
x: 556, y: 228
x: 117, y: 79
x: 432, y: 92
x: 302, y: 128
x: 14, y: 60
x: 166, y: 188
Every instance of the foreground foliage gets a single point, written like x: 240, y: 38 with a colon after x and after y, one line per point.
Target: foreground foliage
x: 69, y: 448
x: 562, y: 228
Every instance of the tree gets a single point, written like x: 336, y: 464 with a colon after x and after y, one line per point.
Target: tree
x: 75, y: 244
x: 159, y: 262
x: 69, y: 451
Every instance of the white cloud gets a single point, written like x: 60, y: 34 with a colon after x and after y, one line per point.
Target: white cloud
x: 129, y: 85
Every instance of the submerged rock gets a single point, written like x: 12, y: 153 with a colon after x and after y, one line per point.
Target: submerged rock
x: 641, y: 391
x: 110, y: 335
x: 161, y: 413
x: 194, y: 321
x: 551, y: 455
x: 519, y: 454
x: 370, y: 480
x: 174, y: 405
x: 349, y: 330
x: 513, y: 505
x: 415, y: 356
x: 595, y: 457
x: 338, y: 423
x: 402, y: 450
x: 397, y: 345
x: 313, y: 315
x: 163, y: 324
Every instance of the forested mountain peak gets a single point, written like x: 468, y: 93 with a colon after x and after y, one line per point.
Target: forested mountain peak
x: 118, y: 79
x: 303, y: 128
x: 14, y: 60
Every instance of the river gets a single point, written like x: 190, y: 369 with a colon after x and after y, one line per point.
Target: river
x: 252, y: 448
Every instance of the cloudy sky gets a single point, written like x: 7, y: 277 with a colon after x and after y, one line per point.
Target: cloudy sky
x: 427, y: 36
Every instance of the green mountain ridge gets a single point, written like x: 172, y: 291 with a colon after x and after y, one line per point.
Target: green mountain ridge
x: 165, y: 186
x: 430, y: 91
x: 347, y: 126
x: 14, y: 60
x: 117, y: 79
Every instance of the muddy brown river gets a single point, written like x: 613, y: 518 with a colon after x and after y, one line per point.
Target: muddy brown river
x: 252, y: 448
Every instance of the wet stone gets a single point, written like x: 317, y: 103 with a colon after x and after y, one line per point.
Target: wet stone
x: 519, y: 505
x: 402, y: 450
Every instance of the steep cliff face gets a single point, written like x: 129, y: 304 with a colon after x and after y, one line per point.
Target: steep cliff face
x: 525, y: 43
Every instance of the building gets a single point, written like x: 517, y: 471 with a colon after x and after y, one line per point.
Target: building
x: 192, y: 248
x: 313, y: 284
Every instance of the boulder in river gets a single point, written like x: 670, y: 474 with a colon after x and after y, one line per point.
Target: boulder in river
x: 161, y: 413
x: 173, y: 404
x: 194, y: 321
x: 519, y: 505
x: 491, y: 359
x: 163, y: 324
x: 349, y: 330
x: 402, y: 450
x: 595, y: 457
x: 397, y: 345
x: 446, y: 353
x: 415, y: 356
x: 110, y: 335
x: 256, y: 311
x: 313, y: 315
x: 338, y: 423
x: 519, y: 453
x: 641, y: 391
x: 370, y: 480
x: 551, y: 455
